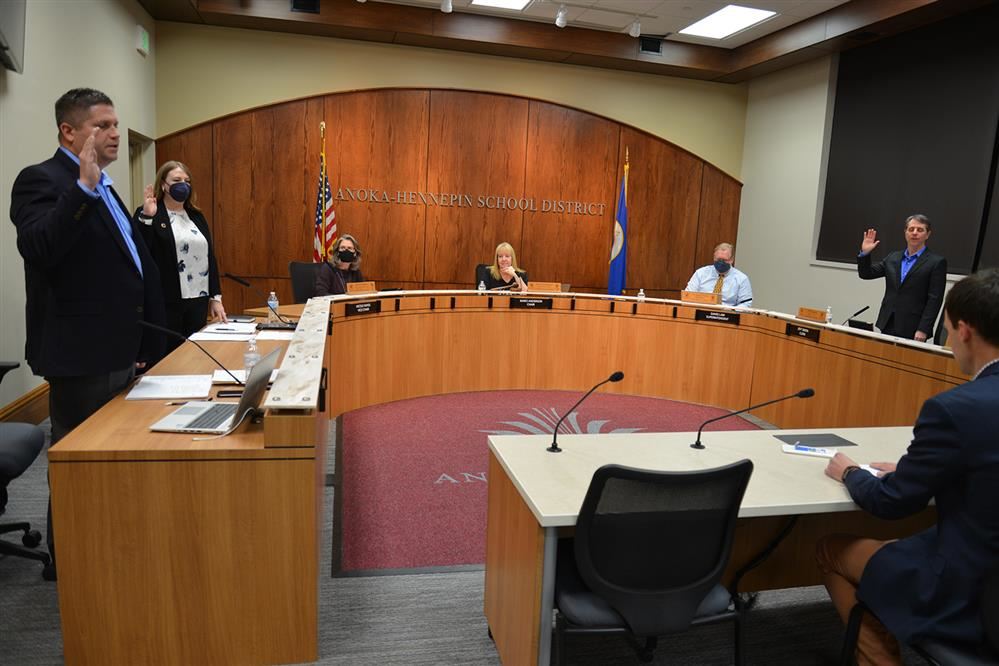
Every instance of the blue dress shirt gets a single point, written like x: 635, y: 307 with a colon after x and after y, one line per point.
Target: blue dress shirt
x: 121, y: 219
x: 736, y: 289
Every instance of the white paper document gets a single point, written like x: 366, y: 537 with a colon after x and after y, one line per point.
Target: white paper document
x: 231, y: 327
x: 222, y: 377
x: 202, y: 336
x: 165, y: 387
x: 275, y: 335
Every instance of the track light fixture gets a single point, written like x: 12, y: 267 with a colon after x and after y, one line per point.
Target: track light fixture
x: 561, y: 17
x: 636, y: 28
x: 446, y: 6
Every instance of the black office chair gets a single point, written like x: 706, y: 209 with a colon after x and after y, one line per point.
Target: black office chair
x: 937, y: 652
x: 481, y: 274
x: 20, y: 444
x: 303, y: 279
x: 649, y: 551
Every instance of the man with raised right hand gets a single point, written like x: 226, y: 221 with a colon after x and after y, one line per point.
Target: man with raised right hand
x: 88, y: 275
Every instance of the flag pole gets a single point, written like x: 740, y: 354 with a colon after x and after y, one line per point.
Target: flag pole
x: 626, y: 167
x: 322, y: 183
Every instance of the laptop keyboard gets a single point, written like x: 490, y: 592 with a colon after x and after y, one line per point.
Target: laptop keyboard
x: 214, y: 416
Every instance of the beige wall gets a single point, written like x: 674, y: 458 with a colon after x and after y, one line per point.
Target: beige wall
x: 788, y: 121
x: 68, y: 44
x: 205, y: 72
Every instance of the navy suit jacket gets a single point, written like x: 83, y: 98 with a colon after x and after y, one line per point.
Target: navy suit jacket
x: 914, y: 302
x: 84, y: 292
x: 929, y: 585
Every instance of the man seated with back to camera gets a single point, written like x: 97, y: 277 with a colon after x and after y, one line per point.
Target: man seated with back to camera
x: 929, y: 586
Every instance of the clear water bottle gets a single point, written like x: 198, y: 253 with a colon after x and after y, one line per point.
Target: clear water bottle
x: 829, y: 314
x: 272, y: 306
x: 251, y: 356
x: 640, y: 295
x: 482, y: 287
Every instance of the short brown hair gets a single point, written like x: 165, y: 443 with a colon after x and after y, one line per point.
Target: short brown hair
x: 75, y: 104
x: 975, y: 301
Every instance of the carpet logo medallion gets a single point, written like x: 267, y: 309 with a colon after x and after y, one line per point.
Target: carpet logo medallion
x: 413, y: 485
x: 542, y: 422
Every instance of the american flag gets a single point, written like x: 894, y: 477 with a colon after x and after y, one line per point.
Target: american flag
x: 321, y: 250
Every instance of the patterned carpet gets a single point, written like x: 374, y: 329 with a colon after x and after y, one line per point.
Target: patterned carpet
x: 413, y: 482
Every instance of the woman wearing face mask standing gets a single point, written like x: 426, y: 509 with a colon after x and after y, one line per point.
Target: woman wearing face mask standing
x: 177, y: 235
x: 342, y: 268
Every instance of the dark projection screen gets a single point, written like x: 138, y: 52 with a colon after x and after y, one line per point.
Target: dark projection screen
x: 914, y: 131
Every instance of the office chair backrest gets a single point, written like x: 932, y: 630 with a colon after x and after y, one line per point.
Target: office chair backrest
x: 303, y: 279
x: 481, y: 273
x: 652, y: 544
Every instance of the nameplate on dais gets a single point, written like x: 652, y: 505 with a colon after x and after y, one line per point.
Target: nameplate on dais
x: 531, y: 303
x: 796, y: 331
x: 717, y: 317
x: 368, y: 307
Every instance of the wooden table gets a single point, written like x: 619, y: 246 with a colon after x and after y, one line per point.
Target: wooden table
x: 175, y: 551
x: 533, y: 494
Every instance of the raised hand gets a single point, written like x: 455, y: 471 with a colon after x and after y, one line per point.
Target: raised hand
x: 149, y: 205
x: 508, y: 272
x: 870, y: 241
x: 90, y: 172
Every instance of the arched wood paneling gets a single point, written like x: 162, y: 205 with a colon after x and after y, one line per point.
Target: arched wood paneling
x: 478, y: 144
x: 257, y: 177
x: 378, y: 140
x: 570, y: 157
x: 664, y: 191
x: 718, y: 218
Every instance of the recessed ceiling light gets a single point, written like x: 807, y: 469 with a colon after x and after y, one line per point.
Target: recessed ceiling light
x: 727, y: 21
x: 516, y: 5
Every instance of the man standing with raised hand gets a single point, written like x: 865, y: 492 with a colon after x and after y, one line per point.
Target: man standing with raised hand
x: 915, y: 280
x: 88, y: 275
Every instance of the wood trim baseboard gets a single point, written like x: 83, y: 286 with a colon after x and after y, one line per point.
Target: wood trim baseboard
x: 32, y: 407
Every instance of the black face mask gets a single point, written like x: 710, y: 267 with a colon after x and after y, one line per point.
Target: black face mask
x: 722, y: 266
x: 180, y: 191
x: 346, y: 256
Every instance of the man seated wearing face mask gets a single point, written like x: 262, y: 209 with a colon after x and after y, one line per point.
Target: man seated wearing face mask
x: 722, y: 277
x: 342, y: 268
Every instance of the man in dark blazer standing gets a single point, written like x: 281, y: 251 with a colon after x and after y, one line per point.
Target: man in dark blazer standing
x: 88, y: 275
x: 915, y: 280
x: 929, y: 586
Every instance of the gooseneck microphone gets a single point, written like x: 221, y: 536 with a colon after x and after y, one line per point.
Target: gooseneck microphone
x: 246, y: 283
x: 175, y: 334
x: 858, y: 312
x: 616, y: 377
x: 803, y: 393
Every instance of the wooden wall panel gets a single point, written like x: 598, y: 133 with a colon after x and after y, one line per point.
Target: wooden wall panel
x: 718, y: 217
x: 379, y: 140
x: 664, y: 189
x: 571, y: 157
x: 478, y: 145
x: 257, y: 176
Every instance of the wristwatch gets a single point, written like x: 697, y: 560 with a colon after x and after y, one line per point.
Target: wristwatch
x: 846, y: 472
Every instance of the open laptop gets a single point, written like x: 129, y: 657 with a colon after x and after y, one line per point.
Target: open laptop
x: 217, y: 417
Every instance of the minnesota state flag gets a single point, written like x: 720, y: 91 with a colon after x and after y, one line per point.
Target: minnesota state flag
x: 619, y: 246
